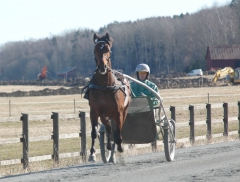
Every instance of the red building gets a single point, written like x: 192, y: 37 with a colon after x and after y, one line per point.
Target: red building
x: 219, y: 57
x: 68, y: 72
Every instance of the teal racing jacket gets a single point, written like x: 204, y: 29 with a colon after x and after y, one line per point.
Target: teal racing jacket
x: 138, y: 90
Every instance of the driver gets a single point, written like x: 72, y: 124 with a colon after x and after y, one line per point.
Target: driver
x: 143, y: 71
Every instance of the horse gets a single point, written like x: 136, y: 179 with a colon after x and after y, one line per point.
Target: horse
x: 109, y: 96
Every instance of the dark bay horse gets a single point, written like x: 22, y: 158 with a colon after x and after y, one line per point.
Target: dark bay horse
x: 109, y: 95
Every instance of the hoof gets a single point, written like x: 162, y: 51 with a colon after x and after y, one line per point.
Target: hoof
x: 112, y: 160
x: 120, y: 148
x: 92, y: 158
x: 131, y: 146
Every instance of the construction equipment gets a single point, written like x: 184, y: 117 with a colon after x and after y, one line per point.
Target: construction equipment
x: 236, y: 79
x: 43, y: 74
x: 229, y: 73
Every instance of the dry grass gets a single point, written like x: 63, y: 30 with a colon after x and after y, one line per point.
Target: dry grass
x: 64, y: 104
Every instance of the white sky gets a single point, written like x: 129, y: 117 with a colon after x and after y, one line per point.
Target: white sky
x: 25, y: 19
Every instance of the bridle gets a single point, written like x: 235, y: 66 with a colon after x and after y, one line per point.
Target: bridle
x: 104, y: 55
x: 114, y: 87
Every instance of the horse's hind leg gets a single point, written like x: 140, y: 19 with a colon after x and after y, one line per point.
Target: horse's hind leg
x: 107, y: 123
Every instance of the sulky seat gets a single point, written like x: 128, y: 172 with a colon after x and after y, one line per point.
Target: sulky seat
x: 139, y: 126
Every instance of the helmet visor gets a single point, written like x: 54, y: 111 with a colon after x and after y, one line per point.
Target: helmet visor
x: 142, y: 72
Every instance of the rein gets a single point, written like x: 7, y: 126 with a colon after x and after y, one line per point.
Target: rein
x: 114, y: 87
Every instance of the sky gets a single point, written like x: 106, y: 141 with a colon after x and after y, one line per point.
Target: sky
x: 21, y: 20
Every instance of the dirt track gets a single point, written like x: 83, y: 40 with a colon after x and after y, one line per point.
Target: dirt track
x: 150, y: 167
x: 216, y: 162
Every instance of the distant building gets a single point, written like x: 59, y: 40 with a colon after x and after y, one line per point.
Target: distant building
x: 69, y: 72
x: 222, y: 56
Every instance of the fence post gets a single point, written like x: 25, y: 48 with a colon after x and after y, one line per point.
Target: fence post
x: 83, y: 136
x: 24, y: 140
x: 191, y: 124
x: 225, y: 119
x: 173, y: 113
x: 209, y: 122
x: 239, y: 119
x: 55, y: 138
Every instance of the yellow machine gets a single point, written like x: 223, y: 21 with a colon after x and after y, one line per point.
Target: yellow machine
x: 231, y: 75
x: 236, y: 79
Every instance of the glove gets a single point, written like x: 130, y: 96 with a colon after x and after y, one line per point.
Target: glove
x: 143, y: 95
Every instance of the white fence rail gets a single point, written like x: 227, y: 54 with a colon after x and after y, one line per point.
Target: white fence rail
x: 77, y: 135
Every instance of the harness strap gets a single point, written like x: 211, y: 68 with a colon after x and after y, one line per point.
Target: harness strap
x: 114, y: 87
x: 86, y: 87
x: 102, y: 41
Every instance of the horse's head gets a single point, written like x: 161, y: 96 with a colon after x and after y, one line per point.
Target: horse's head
x: 102, y: 52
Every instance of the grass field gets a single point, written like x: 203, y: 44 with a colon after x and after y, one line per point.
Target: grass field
x: 70, y: 104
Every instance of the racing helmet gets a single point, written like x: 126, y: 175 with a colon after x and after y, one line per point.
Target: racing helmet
x: 142, y: 67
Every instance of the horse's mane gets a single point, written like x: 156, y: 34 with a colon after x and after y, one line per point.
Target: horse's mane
x: 106, y: 38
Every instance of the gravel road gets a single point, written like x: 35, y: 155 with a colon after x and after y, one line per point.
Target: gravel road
x: 215, y: 162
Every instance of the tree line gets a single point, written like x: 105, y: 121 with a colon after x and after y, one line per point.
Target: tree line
x: 166, y: 44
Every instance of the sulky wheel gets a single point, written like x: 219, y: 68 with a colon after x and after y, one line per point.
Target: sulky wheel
x: 105, y: 153
x: 169, y: 140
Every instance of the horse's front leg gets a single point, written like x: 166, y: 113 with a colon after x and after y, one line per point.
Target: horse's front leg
x: 117, y: 134
x: 118, y: 140
x: 94, y: 134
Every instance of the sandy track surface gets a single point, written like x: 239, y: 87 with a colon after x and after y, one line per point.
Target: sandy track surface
x: 215, y: 162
